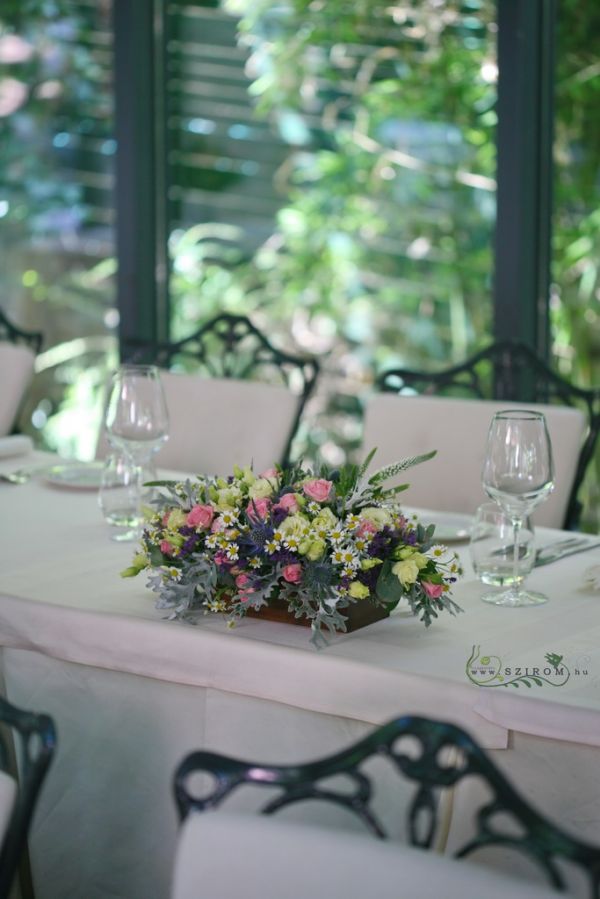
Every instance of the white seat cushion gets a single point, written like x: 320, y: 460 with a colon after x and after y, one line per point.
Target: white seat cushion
x: 216, y: 423
x: 402, y: 426
x: 16, y: 372
x: 222, y: 855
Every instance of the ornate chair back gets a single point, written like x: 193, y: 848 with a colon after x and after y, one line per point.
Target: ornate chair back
x: 27, y: 742
x: 453, y: 409
x: 232, y: 396
x: 445, y: 756
x: 18, y: 350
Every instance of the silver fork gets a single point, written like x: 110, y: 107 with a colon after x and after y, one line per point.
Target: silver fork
x: 21, y: 476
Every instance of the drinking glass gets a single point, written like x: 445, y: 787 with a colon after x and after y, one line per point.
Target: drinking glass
x: 518, y: 474
x: 136, y: 423
x: 118, y: 496
x: 491, y: 547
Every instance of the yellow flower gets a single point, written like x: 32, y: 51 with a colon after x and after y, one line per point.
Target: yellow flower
x: 407, y: 571
x: 358, y: 590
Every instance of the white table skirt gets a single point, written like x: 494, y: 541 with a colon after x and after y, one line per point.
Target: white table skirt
x: 131, y: 693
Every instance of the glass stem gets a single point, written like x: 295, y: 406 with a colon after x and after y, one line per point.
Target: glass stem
x: 516, y: 523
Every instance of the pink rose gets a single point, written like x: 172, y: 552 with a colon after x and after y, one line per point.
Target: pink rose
x: 434, y: 591
x: 270, y: 473
x: 200, y: 516
x: 165, y: 547
x: 288, y: 503
x: 241, y: 579
x: 366, y: 527
x: 292, y: 573
x: 319, y: 489
x: 221, y: 559
x: 258, y: 509
x: 217, y: 525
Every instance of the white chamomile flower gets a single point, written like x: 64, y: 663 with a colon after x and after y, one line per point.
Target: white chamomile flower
x: 229, y: 518
x: 313, y: 508
x: 232, y: 552
x: 254, y: 562
x: 272, y: 546
x: 438, y: 551
x: 336, y: 535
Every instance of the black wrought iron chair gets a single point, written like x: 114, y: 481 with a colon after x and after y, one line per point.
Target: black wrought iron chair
x: 27, y: 741
x: 445, y: 756
x: 18, y: 351
x: 508, y: 371
x: 230, y: 348
x: 10, y: 333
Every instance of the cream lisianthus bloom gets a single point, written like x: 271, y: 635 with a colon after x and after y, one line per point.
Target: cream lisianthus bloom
x: 228, y: 498
x: 262, y: 488
x: 176, y: 519
x: 407, y: 571
x: 244, y: 474
x: 358, y: 590
x: 381, y: 518
x: 313, y: 549
x: 325, y: 520
x: 294, y: 526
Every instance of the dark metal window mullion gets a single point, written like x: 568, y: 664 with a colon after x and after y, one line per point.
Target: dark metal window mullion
x: 140, y: 201
x: 524, y: 147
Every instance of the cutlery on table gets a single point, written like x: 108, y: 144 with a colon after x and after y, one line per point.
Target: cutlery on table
x: 21, y: 476
x: 547, y: 556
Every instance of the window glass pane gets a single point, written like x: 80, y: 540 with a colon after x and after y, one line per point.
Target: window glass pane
x: 57, y: 151
x: 575, y: 300
x: 332, y: 174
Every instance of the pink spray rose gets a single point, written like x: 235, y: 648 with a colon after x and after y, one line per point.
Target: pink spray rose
x: 269, y: 473
x: 366, y: 527
x: 434, y: 591
x: 166, y: 548
x: 241, y: 580
x: 288, y: 503
x: 292, y: 573
x: 200, y: 516
x: 258, y: 508
x: 318, y: 489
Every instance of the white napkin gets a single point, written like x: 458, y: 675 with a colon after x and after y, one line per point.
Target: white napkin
x: 15, y: 445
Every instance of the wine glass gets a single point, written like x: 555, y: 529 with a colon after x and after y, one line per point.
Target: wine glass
x: 136, y: 423
x: 518, y: 474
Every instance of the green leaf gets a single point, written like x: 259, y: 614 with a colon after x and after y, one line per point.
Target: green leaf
x: 389, y: 589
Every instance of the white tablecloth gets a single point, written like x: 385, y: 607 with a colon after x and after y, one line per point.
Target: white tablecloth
x: 131, y: 692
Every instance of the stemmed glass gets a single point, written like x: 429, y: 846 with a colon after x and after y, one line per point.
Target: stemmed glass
x: 136, y: 423
x: 518, y: 474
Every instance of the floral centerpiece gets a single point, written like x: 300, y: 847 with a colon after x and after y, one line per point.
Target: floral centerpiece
x: 318, y: 541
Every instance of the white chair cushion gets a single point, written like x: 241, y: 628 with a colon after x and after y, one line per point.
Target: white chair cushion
x: 223, y: 855
x: 216, y: 423
x: 8, y: 794
x: 402, y: 426
x: 16, y: 372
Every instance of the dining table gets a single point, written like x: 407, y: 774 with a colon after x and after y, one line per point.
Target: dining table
x: 132, y: 692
